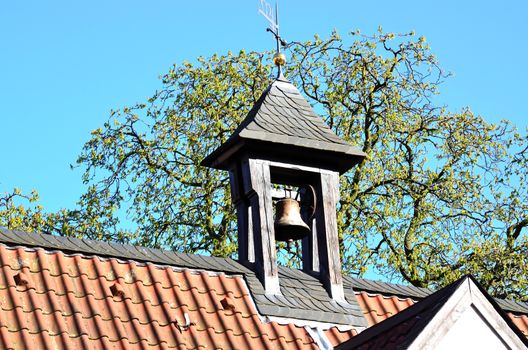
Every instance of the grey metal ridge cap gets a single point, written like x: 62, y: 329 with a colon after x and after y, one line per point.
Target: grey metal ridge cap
x: 83, y: 245
x: 119, y: 249
x: 42, y: 239
x: 208, y: 262
x: 89, y: 247
x: 366, y: 285
x: 238, y: 266
x: 113, y: 250
x: 144, y: 251
x: 19, y: 237
x: 513, y: 306
x: 159, y: 255
x: 402, y: 290
x: 172, y: 257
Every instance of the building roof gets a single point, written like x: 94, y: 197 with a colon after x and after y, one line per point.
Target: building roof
x: 50, y: 299
x: 283, y: 116
x: 381, y: 300
x: 65, y: 292
x: 371, y: 287
x: 303, y: 296
x: 418, y: 325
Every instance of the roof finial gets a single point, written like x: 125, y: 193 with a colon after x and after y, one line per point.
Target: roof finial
x: 266, y: 10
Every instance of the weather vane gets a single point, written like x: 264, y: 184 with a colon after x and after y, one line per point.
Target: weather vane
x: 266, y: 10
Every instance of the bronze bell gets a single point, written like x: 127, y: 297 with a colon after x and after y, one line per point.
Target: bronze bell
x: 288, y: 223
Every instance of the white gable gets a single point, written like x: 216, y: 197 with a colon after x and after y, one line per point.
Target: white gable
x: 467, y: 320
x: 471, y: 331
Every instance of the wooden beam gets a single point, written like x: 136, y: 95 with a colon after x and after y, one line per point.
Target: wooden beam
x: 257, y: 188
x: 327, y: 237
x: 245, y: 231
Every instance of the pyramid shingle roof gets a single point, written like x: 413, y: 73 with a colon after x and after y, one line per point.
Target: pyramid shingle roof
x: 282, y: 116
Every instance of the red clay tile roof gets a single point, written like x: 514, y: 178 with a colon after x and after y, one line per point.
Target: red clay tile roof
x: 303, y: 295
x: 521, y: 321
x: 336, y: 337
x: 392, y: 332
x: 64, y: 293
x: 398, y: 321
x: 51, y: 300
x: 379, y: 307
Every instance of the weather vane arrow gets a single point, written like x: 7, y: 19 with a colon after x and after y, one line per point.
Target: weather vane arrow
x: 266, y: 10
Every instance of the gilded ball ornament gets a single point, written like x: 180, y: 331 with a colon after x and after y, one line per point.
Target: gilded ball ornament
x: 279, y: 59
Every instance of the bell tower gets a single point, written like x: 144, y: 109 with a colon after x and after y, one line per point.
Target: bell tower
x: 283, y: 141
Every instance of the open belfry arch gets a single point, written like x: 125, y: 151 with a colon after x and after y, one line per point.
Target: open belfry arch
x: 283, y: 141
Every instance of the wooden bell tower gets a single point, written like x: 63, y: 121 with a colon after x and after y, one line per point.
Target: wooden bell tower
x: 283, y: 141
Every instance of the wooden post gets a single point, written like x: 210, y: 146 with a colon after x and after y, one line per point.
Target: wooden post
x: 327, y: 235
x: 260, y: 233
x: 245, y: 229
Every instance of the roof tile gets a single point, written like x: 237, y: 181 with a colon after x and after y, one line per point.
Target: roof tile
x: 79, y: 284
x: 378, y: 307
x: 521, y: 321
x: 68, y: 303
x: 336, y: 337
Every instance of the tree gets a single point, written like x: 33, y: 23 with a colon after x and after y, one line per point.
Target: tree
x: 15, y: 215
x: 440, y: 193
x: 22, y: 211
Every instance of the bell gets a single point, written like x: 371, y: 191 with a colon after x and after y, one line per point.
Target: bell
x: 288, y: 223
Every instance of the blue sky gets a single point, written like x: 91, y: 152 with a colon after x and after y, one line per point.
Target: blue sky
x: 65, y: 64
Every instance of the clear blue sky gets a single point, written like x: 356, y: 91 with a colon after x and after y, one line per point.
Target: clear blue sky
x: 65, y: 64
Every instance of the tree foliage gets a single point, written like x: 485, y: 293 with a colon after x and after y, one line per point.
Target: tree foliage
x: 21, y: 211
x: 440, y: 193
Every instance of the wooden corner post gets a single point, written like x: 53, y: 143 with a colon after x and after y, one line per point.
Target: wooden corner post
x: 327, y: 234
x: 252, y: 182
